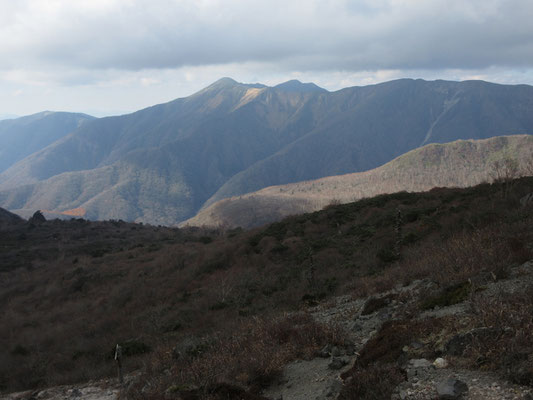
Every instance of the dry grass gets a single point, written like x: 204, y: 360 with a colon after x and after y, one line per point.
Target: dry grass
x: 509, y: 349
x: 490, y: 250
x: 250, y: 356
x: 458, y: 164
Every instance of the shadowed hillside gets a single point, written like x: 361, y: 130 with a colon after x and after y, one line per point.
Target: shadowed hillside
x: 23, y: 136
x: 7, y: 218
x: 456, y: 164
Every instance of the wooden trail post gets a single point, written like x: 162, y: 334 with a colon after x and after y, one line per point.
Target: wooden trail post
x: 118, y: 360
x: 398, y: 229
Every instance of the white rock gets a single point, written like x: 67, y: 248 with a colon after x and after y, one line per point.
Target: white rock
x: 420, y: 363
x: 440, y: 363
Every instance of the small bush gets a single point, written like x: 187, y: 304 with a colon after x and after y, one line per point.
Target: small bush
x: 20, y: 350
x: 509, y: 352
x: 387, y: 255
x: 449, y: 296
x: 205, y: 239
x: 375, y: 382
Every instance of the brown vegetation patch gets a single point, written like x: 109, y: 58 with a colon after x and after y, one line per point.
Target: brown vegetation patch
x: 508, y: 351
x: 71, y: 290
x: 248, y: 357
x: 375, y: 382
x: 376, y: 371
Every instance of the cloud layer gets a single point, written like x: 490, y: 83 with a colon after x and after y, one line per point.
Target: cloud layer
x: 91, y: 42
x: 336, y: 34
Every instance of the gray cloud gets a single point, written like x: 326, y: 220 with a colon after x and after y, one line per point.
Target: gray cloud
x: 102, y: 55
x: 315, y: 35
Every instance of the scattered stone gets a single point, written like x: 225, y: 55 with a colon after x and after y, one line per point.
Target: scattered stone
x: 333, y: 389
x: 418, y: 368
x: 451, y: 389
x: 420, y: 363
x: 374, y: 304
x: 325, y: 351
x: 337, y: 363
x: 416, y: 345
x: 356, y: 326
x: 457, y: 345
x: 335, y: 351
x: 440, y: 363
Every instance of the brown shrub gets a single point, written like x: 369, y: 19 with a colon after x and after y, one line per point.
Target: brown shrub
x: 376, y: 371
x: 250, y: 356
x: 510, y: 351
x: 462, y: 256
x: 375, y: 382
x: 70, y: 290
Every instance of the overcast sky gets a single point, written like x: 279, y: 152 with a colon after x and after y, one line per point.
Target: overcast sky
x: 113, y: 56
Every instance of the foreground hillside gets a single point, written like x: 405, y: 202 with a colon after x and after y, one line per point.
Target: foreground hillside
x: 457, y: 164
x: 203, y: 311
x: 162, y: 164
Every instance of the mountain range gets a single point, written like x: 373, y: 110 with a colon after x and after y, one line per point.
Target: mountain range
x: 163, y: 164
x: 461, y: 163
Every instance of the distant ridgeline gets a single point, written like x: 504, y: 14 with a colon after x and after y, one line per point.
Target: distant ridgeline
x: 163, y: 164
x: 456, y: 164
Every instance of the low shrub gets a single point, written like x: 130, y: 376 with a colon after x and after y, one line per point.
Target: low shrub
x: 509, y: 352
x: 376, y: 382
x: 448, y: 296
x: 247, y: 359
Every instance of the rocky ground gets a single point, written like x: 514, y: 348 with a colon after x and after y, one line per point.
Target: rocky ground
x: 442, y: 377
x: 438, y: 378
x: 107, y: 389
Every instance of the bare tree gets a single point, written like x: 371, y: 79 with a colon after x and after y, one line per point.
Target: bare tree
x: 505, y: 172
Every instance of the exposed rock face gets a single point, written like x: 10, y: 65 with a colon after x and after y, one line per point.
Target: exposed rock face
x: 451, y: 389
x: 37, y: 217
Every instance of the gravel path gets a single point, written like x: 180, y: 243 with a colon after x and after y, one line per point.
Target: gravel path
x: 107, y: 389
x: 315, y: 380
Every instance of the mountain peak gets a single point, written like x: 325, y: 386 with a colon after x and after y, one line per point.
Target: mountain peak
x: 228, y: 83
x: 295, y: 85
x: 222, y: 83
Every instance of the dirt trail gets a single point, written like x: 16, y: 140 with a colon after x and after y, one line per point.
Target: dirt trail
x: 315, y: 379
